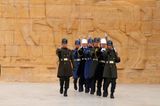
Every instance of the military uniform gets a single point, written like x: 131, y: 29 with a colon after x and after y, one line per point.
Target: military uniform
x: 76, y: 62
x: 94, y: 65
x: 100, y: 67
x: 81, y: 68
x: 110, y: 70
x: 65, y: 67
x: 88, y: 53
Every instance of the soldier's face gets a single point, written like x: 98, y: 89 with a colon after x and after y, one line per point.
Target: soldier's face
x: 96, y: 44
x: 77, y: 46
x: 64, y: 45
x: 103, y: 45
x: 90, y: 44
x: 109, y: 47
x: 84, y: 44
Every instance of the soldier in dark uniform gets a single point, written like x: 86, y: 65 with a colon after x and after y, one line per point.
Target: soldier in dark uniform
x: 98, y: 41
x: 76, y: 62
x: 65, y: 66
x: 94, y: 64
x: 100, y: 67
x: 88, y: 54
x: 82, y: 64
x: 110, y: 70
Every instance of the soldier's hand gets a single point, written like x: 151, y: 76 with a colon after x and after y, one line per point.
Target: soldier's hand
x: 103, y: 49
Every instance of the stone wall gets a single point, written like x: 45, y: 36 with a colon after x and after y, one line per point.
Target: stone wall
x: 31, y: 30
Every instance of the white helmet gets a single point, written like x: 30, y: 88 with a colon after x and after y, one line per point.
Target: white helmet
x: 103, y: 41
x: 84, y: 41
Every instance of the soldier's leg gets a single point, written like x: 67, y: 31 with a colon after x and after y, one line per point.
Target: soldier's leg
x: 113, y: 86
x: 61, y: 80
x: 87, y: 86
x: 105, y: 87
x: 93, y: 82
x: 75, y: 83
x: 81, y: 82
x: 99, y: 85
x: 66, y: 85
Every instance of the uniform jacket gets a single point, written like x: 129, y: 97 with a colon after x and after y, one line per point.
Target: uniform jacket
x: 65, y: 65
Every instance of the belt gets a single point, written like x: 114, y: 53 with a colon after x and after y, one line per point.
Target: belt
x: 95, y: 59
x: 86, y: 58
x: 77, y: 59
x: 110, y: 62
x: 102, y: 61
x: 65, y: 59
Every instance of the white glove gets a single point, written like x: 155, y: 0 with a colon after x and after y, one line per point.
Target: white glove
x: 115, y: 49
x: 103, y: 49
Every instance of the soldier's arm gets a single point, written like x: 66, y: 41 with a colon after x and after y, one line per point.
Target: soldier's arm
x: 80, y: 52
x: 93, y: 53
x: 58, y: 52
x: 117, y: 58
x: 88, y: 53
x: 97, y: 52
x: 105, y: 54
x: 71, y: 56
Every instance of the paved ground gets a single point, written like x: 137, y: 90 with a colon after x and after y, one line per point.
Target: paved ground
x: 29, y: 94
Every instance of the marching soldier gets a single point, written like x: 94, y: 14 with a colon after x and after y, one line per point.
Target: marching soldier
x: 88, y: 65
x: 94, y: 64
x: 110, y: 70
x: 81, y: 52
x: 100, y: 67
x: 65, y: 66
x: 76, y: 62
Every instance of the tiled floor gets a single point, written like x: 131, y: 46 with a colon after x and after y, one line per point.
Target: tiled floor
x: 33, y: 94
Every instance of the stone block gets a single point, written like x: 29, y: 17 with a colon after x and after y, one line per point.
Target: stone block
x: 49, y: 51
x: 11, y: 51
x: 35, y: 51
x: 37, y: 11
x: 22, y: 11
x: 2, y: 51
x: 146, y: 13
x: 9, y: 10
x: 147, y: 27
x: 58, y: 11
x: 8, y: 37
x: 37, y: 1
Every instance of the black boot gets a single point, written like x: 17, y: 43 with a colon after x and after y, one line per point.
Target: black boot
x: 61, y: 90
x: 112, y: 96
x: 87, y: 90
x: 81, y: 89
x: 92, y: 92
x: 65, y: 93
x: 61, y: 85
x: 75, y: 84
x: 98, y: 92
x: 105, y: 94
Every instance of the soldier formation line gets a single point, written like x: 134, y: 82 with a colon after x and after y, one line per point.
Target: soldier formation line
x: 92, y: 64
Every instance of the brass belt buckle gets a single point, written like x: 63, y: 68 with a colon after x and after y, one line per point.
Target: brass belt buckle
x: 65, y: 59
x: 111, y: 62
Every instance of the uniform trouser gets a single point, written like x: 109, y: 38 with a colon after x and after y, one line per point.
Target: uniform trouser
x: 81, y: 83
x: 75, y: 81
x: 64, y: 82
x: 99, y: 84
x: 107, y: 81
x: 99, y: 77
x: 88, y: 84
x: 93, y: 85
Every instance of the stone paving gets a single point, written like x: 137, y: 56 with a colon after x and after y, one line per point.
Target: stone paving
x: 47, y: 94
